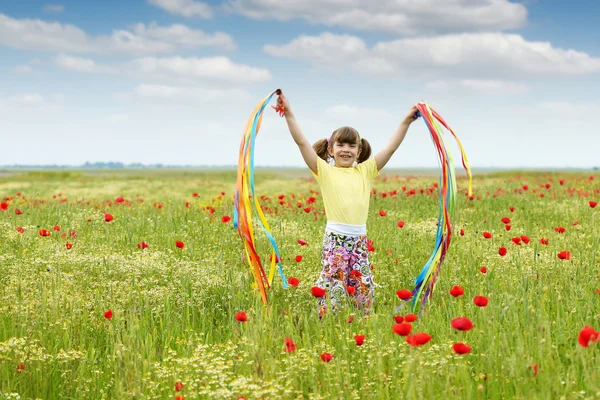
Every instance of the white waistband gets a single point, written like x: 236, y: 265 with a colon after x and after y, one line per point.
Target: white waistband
x: 345, y: 229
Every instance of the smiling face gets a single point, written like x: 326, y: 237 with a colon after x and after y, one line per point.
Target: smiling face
x: 344, y: 147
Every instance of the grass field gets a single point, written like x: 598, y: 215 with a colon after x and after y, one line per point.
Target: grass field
x: 88, y: 312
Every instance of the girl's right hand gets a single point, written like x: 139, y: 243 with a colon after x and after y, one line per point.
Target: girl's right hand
x: 283, y: 101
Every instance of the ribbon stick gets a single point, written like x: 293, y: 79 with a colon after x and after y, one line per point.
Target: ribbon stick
x: 447, y: 204
x: 245, y: 197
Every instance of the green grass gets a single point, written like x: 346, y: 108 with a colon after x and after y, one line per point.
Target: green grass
x: 173, y: 309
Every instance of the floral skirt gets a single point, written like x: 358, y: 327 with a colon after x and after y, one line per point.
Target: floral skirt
x: 346, y: 273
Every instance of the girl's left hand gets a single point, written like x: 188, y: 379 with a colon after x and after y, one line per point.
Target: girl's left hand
x: 410, y: 116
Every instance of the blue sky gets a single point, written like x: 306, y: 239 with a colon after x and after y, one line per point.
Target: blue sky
x: 173, y: 81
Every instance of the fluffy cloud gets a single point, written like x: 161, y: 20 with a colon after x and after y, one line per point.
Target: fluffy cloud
x: 488, y: 87
x: 54, y: 8
x: 195, y: 93
x: 479, y: 56
x: 186, y: 8
x: 79, y: 64
x: 35, y: 34
x: 391, y: 16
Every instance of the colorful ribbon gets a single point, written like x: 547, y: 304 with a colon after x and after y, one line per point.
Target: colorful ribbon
x: 430, y: 271
x: 242, y: 213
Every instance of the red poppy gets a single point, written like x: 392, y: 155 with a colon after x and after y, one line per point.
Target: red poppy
x: 544, y: 241
x: 293, y: 281
x: 507, y: 227
x: 410, y: 317
x: 18, y: 212
x: 399, y: 319
x: 462, y: 232
x: 525, y: 239
x: 457, y: 291
x: 587, y: 335
x: 302, y: 242
x: 311, y: 200
x: 418, y: 339
x: 69, y: 246
x: 402, y: 329
x: 559, y: 229
x: 462, y: 324
x: 290, y: 346
x: 502, y: 251
x: 525, y: 187
x: 3, y: 206
x: 506, y: 220
x: 179, y: 386
x: 108, y: 217
x: 225, y: 219
x: 461, y: 348
x: 44, y: 232
x: 326, y: 357
x: 480, y: 301
x: 564, y: 255
x: 351, y: 290
x: 194, y: 194
x: 350, y: 319
x: 179, y: 244
x: 317, y: 291
x: 517, y: 241
x: 382, y: 213
x: 400, y: 224
x: 483, y: 270
x: 404, y: 294
x: 359, y: 339
x: 20, y: 368
x: 487, y: 235
x: 593, y: 204
x: 179, y: 398
x: 535, y: 369
x: 512, y: 209
x: 298, y: 258
x: 241, y: 316
x: 108, y: 314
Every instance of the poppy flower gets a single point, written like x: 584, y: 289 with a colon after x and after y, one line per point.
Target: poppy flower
x: 44, y: 232
x: 502, y: 251
x: 517, y: 241
x: 69, y: 246
x: 298, y: 258
x: 400, y: 224
x: 404, y: 294
x: 350, y: 319
x: 326, y: 357
x: 293, y: 281
x: 108, y: 314
x: 559, y: 229
x: 302, y: 242
x: 457, y: 291
x: 506, y: 220
x: 179, y: 398
x: 317, y: 291
x: 311, y: 200
x: 20, y: 229
x: 241, y: 316
x: 351, y: 290
x: 418, y: 339
x: 410, y: 317
x: 593, y: 204
x: 534, y: 368
x: 462, y: 232
x: 480, y: 301
x: 18, y: 212
x: 290, y: 346
x: 487, y: 235
x: 564, y: 255
x: 399, y: 319
x: 512, y: 209
x: 461, y: 348
x: 507, y: 227
x: 402, y: 329
x: 483, y: 269
x: 587, y: 335
x: 225, y: 219
x: 382, y: 213
x: 108, y: 217
x: 194, y: 194
x: 359, y: 339
x: 462, y: 324
x: 179, y: 386
x: 3, y: 206
x: 525, y: 239
x: 179, y: 244
x: 544, y: 241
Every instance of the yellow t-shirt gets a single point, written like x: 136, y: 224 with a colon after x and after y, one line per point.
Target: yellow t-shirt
x: 346, y: 191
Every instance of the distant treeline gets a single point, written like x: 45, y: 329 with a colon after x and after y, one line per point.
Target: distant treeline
x: 114, y: 165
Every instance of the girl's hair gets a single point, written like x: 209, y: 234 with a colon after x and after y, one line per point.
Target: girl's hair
x: 344, y: 134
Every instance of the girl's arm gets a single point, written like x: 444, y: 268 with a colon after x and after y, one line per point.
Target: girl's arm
x: 308, y: 153
x: 385, y: 154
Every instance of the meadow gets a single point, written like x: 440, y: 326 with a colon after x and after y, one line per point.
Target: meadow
x: 132, y: 284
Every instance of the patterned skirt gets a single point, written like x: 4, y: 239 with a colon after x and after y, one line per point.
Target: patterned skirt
x: 346, y: 274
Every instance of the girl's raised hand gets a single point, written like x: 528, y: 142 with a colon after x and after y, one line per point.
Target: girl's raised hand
x: 410, y: 116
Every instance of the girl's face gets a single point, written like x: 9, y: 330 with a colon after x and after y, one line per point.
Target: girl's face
x: 344, y: 154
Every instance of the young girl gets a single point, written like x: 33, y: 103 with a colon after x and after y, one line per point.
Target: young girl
x: 346, y: 189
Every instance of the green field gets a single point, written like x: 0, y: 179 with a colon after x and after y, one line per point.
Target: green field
x: 173, y: 308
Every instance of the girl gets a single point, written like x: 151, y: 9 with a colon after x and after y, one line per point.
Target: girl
x: 346, y: 189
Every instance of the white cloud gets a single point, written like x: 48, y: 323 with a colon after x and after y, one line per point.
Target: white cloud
x: 391, y: 16
x: 186, y: 8
x: 23, y: 69
x: 32, y: 100
x: 36, y: 34
x: 184, y: 36
x: 54, y: 8
x: 488, y: 87
x: 479, y: 56
x: 185, y: 93
x: 79, y: 64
